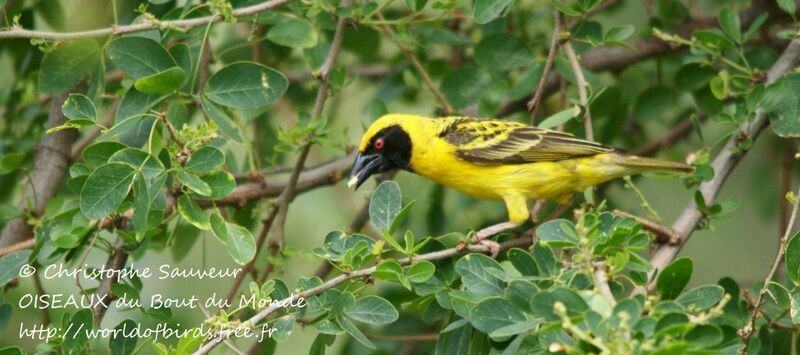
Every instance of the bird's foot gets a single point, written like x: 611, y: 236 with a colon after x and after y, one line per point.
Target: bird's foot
x: 481, y: 235
x: 494, y: 247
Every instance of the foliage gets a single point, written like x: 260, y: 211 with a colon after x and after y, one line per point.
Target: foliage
x: 186, y: 111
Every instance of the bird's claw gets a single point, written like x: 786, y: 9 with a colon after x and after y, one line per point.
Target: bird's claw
x: 493, y: 246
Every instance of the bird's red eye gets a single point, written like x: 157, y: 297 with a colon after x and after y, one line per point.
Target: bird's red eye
x: 378, y: 143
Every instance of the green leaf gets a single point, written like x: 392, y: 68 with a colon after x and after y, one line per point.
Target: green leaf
x: 135, y: 103
x: 192, y: 213
x: 693, y: 76
x: 558, y: 232
x: 76, y: 337
x: 351, y: 329
x: 122, y: 342
x: 462, y: 87
x: 502, y: 52
x: 144, y: 162
x: 221, y: 183
x: 216, y: 115
x: 205, y: 160
x: 674, y: 278
x: 494, y: 313
x: 10, y: 162
x: 294, y: 32
x: 560, y: 117
x: 541, y: 304
x: 653, y: 102
x: 11, y: 264
x: 80, y: 109
x: 98, y: 154
x: 246, y: 85
x: 702, y: 297
x: 794, y: 311
x: 421, y: 271
x: 373, y: 310
x: 389, y: 270
x: 486, y: 10
x: 240, y: 243
x: 105, y: 189
x: 515, y: 328
x: 66, y: 64
x: 385, y: 204
x: 619, y: 34
x: 283, y: 327
x: 783, y: 119
x: 475, y: 273
x: 565, y: 8
x: 141, y: 206
x: 194, y: 183
x: 140, y: 57
x: 161, y: 83
x: 788, y: 6
x: 792, y: 259
x: 729, y: 21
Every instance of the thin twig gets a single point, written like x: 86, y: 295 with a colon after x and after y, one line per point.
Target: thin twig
x: 25, y: 244
x: 533, y: 104
x: 663, y: 233
x: 444, y: 104
x: 601, y: 282
x: 583, y: 88
x: 747, y: 331
x: 437, y: 255
x: 17, y: 32
x: 404, y: 338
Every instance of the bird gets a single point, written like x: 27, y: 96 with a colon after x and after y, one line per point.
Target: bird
x: 494, y: 159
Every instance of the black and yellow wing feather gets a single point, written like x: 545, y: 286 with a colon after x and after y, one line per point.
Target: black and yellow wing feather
x: 490, y: 142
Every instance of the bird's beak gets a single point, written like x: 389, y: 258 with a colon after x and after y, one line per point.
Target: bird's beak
x: 363, y: 167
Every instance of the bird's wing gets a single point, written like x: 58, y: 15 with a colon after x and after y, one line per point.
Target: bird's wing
x: 489, y: 142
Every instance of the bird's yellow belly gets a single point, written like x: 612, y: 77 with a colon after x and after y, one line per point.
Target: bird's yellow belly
x: 547, y: 180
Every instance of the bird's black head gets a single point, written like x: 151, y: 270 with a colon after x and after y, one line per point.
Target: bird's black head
x: 388, y: 149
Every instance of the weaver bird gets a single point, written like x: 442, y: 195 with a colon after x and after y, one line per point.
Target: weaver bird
x: 494, y: 160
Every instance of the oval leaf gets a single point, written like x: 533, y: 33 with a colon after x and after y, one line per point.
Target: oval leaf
x: 105, y: 189
x: 246, y: 85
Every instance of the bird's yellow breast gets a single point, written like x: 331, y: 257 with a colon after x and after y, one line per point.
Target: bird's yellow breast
x: 436, y: 160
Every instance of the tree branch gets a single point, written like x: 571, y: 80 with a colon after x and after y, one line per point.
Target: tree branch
x: 437, y: 255
x: 723, y: 165
x: 16, y: 32
x: 51, y: 162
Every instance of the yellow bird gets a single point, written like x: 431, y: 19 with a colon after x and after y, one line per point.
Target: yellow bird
x: 494, y: 160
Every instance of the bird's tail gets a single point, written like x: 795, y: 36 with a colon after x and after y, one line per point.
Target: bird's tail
x: 647, y: 164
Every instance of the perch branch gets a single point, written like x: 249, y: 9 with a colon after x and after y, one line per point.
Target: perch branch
x: 723, y: 165
x: 17, y: 32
